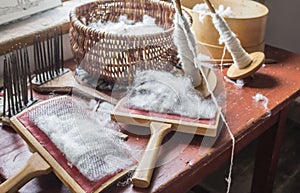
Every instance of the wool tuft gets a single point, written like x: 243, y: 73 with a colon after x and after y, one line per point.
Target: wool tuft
x: 261, y: 98
x: 128, y: 27
x: 163, y: 92
x: 203, y: 11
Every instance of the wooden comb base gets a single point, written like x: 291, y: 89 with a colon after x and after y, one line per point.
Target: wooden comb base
x: 67, y: 83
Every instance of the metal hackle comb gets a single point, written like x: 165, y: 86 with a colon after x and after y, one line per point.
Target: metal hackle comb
x: 50, y: 74
x: 48, y: 57
x: 17, y: 83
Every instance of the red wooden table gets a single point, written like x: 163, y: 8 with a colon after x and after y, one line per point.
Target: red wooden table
x: 185, y: 160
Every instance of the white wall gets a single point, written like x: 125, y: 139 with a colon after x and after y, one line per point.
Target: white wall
x: 283, y: 26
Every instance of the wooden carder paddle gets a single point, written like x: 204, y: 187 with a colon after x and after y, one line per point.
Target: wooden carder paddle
x: 160, y: 125
x: 48, y: 157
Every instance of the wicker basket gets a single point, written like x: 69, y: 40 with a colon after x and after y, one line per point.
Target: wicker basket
x: 118, y: 56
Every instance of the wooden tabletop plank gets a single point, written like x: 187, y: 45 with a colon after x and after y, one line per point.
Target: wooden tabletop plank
x: 185, y: 159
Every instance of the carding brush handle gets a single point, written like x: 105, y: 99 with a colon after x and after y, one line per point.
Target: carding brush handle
x: 86, y: 91
x: 178, y: 6
x: 34, y: 167
x: 210, y: 6
x: 143, y: 173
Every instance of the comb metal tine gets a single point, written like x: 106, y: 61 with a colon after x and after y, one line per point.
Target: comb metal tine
x: 21, y: 72
x: 61, y: 51
x: 56, y: 52
x: 28, y: 73
x: 52, y: 54
x: 18, y: 79
x: 24, y: 78
x: 42, y: 63
x: 4, y: 84
x: 18, y: 82
x: 10, y: 88
x: 49, y: 56
x: 38, y: 76
x: 14, y: 80
x: 46, y: 64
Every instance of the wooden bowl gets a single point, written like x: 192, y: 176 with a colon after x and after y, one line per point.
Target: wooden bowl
x: 249, y: 23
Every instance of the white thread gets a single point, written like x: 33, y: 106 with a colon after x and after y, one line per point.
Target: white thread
x: 198, y: 64
x: 240, y: 57
x: 227, y: 127
x: 259, y: 97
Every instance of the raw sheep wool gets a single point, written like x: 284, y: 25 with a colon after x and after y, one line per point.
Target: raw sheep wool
x: 127, y: 26
x: 163, y: 92
x: 203, y: 11
x: 94, y: 149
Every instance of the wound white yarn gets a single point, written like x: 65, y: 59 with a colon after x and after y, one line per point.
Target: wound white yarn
x: 265, y: 101
x: 185, y: 54
x: 240, y: 57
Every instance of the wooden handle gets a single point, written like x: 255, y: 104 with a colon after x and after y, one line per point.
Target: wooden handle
x: 143, y: 173
x: 34, y: 167
x: 178, y: 6
x: 210, y: 6
x: 87, y: 91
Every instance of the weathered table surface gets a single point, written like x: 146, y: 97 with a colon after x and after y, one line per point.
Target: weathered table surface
x: 185, y: 159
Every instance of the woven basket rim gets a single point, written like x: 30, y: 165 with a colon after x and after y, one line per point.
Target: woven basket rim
x: 78, y: 23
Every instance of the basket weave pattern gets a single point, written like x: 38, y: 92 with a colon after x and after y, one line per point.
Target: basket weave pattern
x: 118, y: 56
